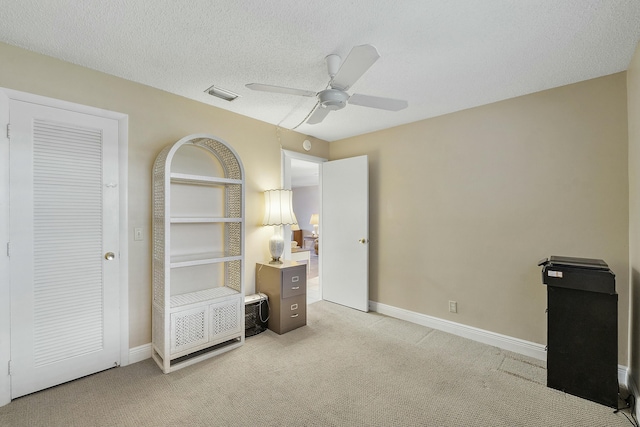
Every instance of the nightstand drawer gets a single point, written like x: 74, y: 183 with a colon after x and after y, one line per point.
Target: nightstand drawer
x: 294, y: 281
x: 293, y: 312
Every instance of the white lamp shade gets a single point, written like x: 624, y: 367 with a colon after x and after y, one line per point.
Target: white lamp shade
x: 315, y: 220
x: 279, y: 208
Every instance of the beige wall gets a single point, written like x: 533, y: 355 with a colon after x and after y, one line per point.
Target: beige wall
x: 633, y: 103
x: 463, y: 206
x: 158, y: 118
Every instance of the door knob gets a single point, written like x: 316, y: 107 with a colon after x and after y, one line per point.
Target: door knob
x: 109, y: 256
x: 363, y: 240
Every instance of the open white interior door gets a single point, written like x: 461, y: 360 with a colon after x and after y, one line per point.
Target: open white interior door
x: 344, y: 232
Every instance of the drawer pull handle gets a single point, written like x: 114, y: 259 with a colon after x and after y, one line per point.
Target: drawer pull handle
x: 294, y: 306
x: 294, y: 279
x: 295, y: 287
x: 294, y: 315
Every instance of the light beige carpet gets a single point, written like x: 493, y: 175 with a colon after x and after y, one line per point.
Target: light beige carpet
x: 345, y: 368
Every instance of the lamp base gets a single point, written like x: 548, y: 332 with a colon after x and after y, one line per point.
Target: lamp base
x: 276, y: 248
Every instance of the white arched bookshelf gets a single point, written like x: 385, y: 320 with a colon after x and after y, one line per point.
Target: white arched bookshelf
x: 198, y: 251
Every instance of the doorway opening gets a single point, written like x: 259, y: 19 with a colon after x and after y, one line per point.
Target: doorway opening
x: 301, y: 174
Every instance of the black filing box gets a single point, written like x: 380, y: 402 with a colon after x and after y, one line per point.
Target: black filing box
x: 582, y: 328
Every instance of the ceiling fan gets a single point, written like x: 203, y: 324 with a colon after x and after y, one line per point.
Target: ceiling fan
x: 342, y: 77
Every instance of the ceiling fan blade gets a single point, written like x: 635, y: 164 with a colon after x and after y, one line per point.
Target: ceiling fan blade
x: 318, y: 115
x: 279, y: 89
x: 359, y: 60
x: 378, y: 102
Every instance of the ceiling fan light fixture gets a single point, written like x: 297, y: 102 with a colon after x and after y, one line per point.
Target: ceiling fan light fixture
x: 333, y: 99
x: 225, y: 94
x: 333, y: 65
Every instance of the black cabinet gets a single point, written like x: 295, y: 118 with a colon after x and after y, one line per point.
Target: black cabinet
x: 582, y: 328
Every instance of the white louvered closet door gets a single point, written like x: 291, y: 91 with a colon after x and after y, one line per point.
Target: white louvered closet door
x: 63, y: 220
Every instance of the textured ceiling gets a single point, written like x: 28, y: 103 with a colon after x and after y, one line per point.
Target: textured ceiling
x: 439, y: 55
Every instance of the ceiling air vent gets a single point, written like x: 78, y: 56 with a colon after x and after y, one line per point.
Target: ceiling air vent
x: 227, y: 95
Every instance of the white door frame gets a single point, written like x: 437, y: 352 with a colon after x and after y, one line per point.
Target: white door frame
x: 5, y: 288
x: 287, y: 155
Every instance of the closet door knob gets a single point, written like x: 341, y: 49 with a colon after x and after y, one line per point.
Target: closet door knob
x: 363, y: 241
x: 109, y: 256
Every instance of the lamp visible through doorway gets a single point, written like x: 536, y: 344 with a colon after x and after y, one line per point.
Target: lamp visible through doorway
x: 278, y: 212
x: 315, y: 220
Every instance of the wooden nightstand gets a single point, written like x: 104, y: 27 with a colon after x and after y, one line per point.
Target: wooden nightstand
x: 286, y: 286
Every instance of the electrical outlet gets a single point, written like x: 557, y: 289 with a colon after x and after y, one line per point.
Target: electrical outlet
x: 453, y: 306
x: 137, y: 233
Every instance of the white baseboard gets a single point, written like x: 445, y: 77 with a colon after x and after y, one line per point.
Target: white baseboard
x: 140, y: 353
x: 527, y: 348
x: 632, y: 386
x: 623, y: 377
x: 505, y: 342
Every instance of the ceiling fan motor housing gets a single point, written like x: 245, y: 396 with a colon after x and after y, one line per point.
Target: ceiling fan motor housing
x: 333, y: 99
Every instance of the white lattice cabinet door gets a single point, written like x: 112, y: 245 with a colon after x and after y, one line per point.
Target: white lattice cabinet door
x: 224, y: 318
x: 189, y: 328
x: 198, y: 251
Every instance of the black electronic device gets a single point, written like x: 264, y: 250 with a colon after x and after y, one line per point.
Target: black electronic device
x: 256, y: 314
x: 582, y: 328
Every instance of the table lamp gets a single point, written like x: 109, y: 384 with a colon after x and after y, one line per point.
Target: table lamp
x: 315, y: 220
x: 278, y: 212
